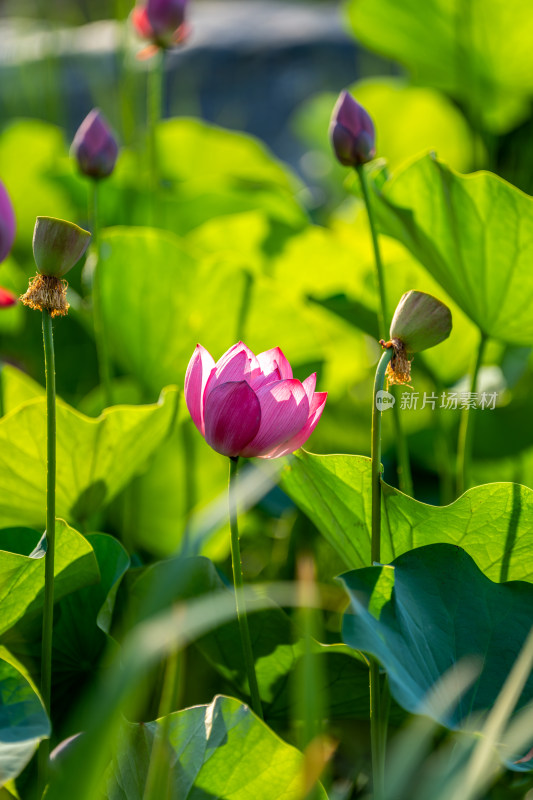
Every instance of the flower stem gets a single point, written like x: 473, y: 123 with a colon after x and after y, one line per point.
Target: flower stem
x: 104, y: 361
x: 238, y: 582
x: 378, y: 722
x: 402, y: 451
x: 154, y: 109
x: 48, y: 611
x: 466, y: 428
x: 379, y: 381
x: 1, y: 389
x: 245, y: 305
x: 157, y: 779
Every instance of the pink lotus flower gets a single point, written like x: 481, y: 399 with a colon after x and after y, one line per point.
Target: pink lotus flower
x: 247, y: 405
x: 7, y: 298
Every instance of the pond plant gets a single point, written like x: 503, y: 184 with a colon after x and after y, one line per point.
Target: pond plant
x: 322, y: 625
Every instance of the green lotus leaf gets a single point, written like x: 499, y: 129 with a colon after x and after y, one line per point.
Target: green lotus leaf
x: 493, y: 523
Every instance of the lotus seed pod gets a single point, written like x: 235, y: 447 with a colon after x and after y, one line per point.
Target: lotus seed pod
x: 420, y: 321
x: 58, y: 245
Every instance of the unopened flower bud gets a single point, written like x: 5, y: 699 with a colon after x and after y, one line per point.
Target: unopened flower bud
x: 165, y: 16
x: 94, y: 146
x: 161, y: 21
x: 57, y: 246
x: 7, y: 223
x: 420, y: 321
x: 352, y: 132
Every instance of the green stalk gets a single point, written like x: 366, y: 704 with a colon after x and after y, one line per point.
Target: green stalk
x: 377, y: 734
x: 157, y: 780
x: 466, y: 428
x: 238, y: 582
x: 378, y: 721
x: 154, y: 109
x: 102, y: 350
x: 1, y: 389
x: 311, y: 703
x: 48, y: 610
x: 379, y: 382
x: 405, y: 480
x: 245, y: 305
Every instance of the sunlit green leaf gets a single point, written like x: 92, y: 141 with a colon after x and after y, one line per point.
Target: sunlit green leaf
x: 219, y: 750
x: 156, y: 315
x: 22, y: 570
x: 95, y: 457
x: 29, y: 152
x: 348, y: 288
x: 493, y: 523
x: 473, y: 234
x: 477, y: 51
x: 18, y: 387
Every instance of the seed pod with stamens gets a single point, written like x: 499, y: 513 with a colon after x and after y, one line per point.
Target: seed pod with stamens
x: 420, y: 321
x: 57, y: 246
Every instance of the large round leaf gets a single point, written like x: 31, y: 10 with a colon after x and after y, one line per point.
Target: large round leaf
x: 494, y: 523
x: 95, y: 457
x: 348, y: 287
x: 479, y: 51
x: 160, y: 300
x: 425, y: 613
x: 219, y: 750
x: 23, y: 720
x: 473, y: 234
x: 22, y: 570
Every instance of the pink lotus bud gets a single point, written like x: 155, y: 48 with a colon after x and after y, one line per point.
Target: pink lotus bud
x: 7, y: 223
x: 7, y: 298
x: 165, y: 16
x: 251, y: 406
x: 352, y: 132
x: 160, y: 21
x: 94, y: 146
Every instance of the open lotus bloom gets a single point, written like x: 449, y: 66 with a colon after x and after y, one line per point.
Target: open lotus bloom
x: 247, y: 405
